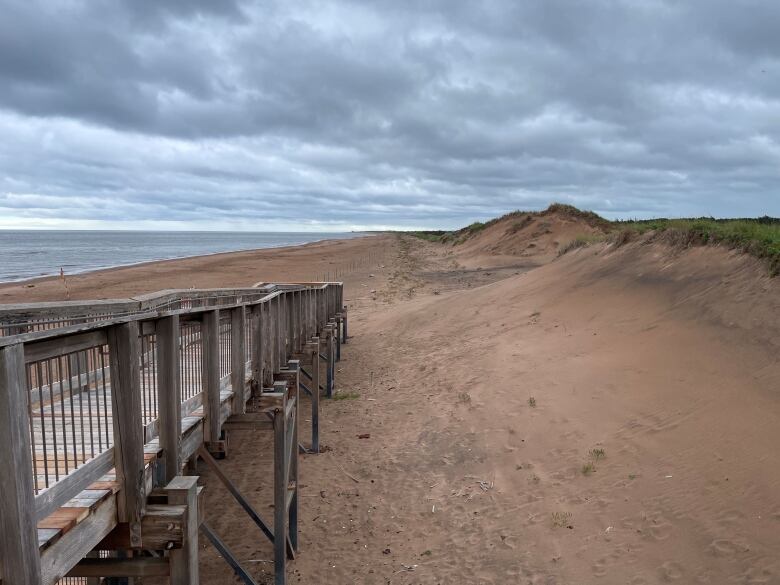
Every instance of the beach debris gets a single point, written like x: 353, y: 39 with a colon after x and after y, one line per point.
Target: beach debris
x: 364, y: 436
x: 371, y: 276
x: 352, y: 477
x: 406, y: 568
x: 386, y: 551
x: 484, y: 485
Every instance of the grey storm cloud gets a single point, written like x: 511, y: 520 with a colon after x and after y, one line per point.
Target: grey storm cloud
x: 376, y: 113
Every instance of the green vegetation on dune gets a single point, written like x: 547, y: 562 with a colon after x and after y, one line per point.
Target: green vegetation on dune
x: 759, y: 237
x: 429, y: 235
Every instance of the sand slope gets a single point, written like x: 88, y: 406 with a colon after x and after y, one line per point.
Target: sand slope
x: 667, y: 363
x: 534, y: 236
x: 665, y: 359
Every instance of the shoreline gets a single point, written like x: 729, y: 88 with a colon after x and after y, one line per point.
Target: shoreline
x: 215, y: 270
x: 43, y: 277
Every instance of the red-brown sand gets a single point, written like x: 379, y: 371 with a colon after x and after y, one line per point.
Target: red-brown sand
x: 611, y: 416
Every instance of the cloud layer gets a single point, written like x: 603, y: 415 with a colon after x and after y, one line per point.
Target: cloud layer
x: 312, y: 115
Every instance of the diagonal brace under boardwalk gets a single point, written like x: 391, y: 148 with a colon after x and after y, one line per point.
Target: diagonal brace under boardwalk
x: 206, y: 456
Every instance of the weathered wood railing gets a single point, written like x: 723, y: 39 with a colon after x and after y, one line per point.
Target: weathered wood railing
x: 137, y: 388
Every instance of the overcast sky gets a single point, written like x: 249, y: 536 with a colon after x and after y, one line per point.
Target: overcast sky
x: 205, y: 114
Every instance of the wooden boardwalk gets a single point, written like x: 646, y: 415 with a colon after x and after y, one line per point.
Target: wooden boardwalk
x: 106, y: 412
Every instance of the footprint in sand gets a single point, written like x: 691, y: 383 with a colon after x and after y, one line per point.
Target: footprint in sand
x: 670, y: 571
x: 661, y: 530
x: 728, y: 517
x: 600, y: 567
x: 723, y: 547
x: 757, y: 576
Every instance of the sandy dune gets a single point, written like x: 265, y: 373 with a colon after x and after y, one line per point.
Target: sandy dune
x: 535, y: 237
x: 611, y: 416
x: 670, y: 365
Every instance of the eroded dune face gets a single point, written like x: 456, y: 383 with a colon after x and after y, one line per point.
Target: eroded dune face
x: 609, y: 417
x: 624, y: 405
x: 536, y: 237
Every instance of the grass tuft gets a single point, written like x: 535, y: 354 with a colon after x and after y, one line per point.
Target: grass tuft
x: 346, y: 396
x: 597, y: 454
x: 588, y: 468
x: 561, y: 519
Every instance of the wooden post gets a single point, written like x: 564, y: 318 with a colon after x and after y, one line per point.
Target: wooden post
x: 310, y: 314
x: 256, y: 320
x: 272, y: 352
x: 19, y: 559
x: 169, y: 393
x: 298, y: 321
x: 338, y: 337
x: 123, y: 346
x: 265, y: 336
x: 314, y: 352
x: 292, y: 376
x: 281, y: 331
x: 329, y: 361
x: 322, y: 308
x: 275, y: 335
x: 344, y: 325
x: 210, y: 339
x: 332, y: 355
x: 238, y: 359
x: 183, y: 490
x: 280, y: 495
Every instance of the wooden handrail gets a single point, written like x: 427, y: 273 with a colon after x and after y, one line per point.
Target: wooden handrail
x: 264, y: 327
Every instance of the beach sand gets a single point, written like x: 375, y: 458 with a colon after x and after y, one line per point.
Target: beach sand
x: 611, y: 416
x: 309, y: 262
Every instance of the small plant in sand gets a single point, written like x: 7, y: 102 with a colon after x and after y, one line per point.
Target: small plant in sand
x: 588, y: 468
x: 534, y: 478
x: 561, y: 519
x: 532, y: 402
x: 346, y: 396
x: 597, y: 454
x: 464, y: 398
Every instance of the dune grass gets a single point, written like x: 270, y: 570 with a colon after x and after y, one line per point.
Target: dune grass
x: 429, y: 235
x: 759, y: 237
x: 580, y: 242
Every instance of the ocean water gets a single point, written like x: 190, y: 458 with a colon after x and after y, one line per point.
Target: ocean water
x: 29, y: 254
